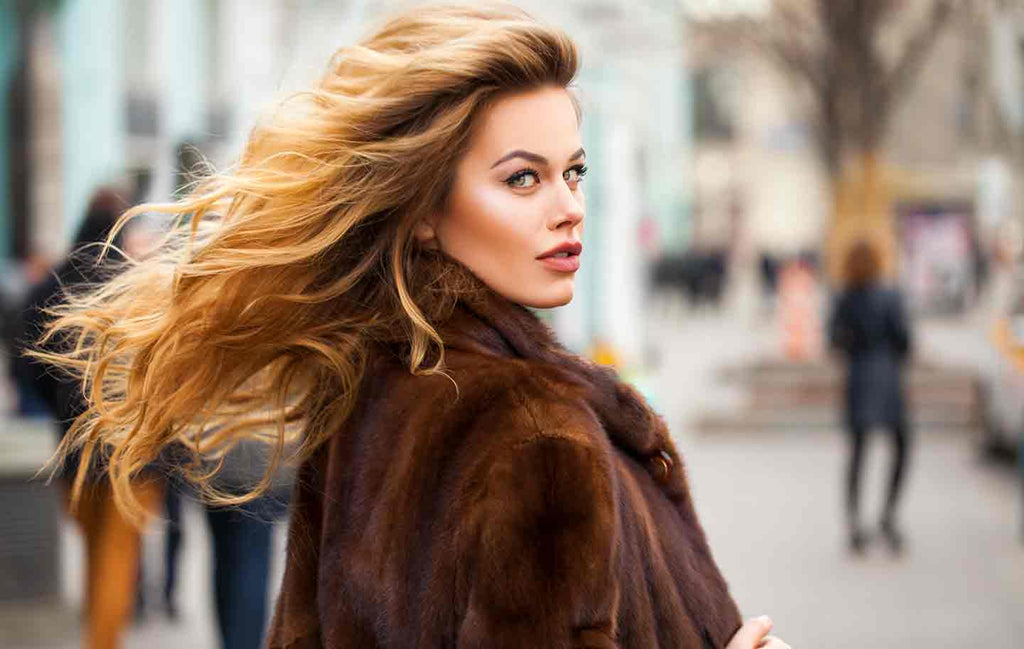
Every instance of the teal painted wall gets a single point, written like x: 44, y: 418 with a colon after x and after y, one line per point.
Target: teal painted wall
x: 185, y: 57
x: 93, y: 112
x: 10, y: 44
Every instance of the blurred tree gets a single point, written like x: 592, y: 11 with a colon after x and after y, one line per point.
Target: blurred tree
x: 857, y: 59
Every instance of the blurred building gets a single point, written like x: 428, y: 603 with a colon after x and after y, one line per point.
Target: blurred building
x: 105, y: 90
x: 952, y: 154
x: 100, y: 91
x: 754, y: 166
x: 956, y: 146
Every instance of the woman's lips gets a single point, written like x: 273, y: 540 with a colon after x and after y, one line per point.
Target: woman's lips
x: 567, y: 264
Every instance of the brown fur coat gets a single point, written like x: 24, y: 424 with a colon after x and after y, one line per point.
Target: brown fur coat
x: 539, y: 504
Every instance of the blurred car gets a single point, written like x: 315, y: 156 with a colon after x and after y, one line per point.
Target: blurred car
x: 1002, y: 382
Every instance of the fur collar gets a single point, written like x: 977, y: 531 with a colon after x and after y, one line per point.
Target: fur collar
x: 484, y: 322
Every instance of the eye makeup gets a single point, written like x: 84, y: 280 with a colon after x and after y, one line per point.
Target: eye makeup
x: 516, y: 179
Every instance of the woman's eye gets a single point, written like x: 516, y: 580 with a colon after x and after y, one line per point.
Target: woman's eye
x: 523, y: 179
x: 574, y: 175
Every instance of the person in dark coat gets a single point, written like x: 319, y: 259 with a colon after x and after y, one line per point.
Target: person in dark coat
x: 79, y: 269
x: 869, y: 327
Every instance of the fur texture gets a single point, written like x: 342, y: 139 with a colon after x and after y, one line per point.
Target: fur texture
x: 528, y: 507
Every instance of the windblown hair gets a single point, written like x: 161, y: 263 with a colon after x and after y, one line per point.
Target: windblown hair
x: 254, y: 317
x: 863, y: 266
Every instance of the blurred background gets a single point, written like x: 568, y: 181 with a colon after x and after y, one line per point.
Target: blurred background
x: 738, y: 150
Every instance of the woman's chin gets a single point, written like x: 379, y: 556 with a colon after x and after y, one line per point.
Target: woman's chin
x: 550, y: 299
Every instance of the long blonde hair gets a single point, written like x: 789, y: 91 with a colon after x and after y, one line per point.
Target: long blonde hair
x: 253, y: 319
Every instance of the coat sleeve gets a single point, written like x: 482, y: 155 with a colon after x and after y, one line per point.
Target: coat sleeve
x: 542, y: 571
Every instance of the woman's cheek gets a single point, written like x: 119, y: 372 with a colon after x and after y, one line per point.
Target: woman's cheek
x: 503, y: 216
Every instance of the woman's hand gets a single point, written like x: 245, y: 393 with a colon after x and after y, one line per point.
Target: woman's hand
x: 754, y: 635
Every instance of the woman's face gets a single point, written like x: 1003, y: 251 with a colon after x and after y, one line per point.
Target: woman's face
x: 515, y: 213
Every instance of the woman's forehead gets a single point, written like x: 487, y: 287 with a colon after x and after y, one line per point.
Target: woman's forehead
x: 542, y: 121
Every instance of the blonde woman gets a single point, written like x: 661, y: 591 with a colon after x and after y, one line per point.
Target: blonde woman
x: 360, y: 283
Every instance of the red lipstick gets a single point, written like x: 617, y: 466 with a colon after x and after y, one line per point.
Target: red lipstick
x: 564, y: 257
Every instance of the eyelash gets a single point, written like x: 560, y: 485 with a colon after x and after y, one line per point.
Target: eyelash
x: 581, y: 171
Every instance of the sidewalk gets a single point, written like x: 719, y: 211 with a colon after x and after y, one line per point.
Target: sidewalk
x: 771, y: 505
x: 770, y: 501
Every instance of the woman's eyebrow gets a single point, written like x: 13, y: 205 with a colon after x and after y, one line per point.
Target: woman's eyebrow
x: 536, y: 158
x: 525, y: 155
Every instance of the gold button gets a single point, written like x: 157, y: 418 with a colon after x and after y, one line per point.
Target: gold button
x: 661, y: 466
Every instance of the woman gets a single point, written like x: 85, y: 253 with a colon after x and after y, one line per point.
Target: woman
x: 360, y: 280
x: 869, y: 328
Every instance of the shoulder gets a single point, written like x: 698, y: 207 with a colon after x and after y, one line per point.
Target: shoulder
x: 535, y: 425
x: 529, y: 398
x: 509, y: 421
x: 545, y: 494
x: 541, y: 520
x: 542, y: 460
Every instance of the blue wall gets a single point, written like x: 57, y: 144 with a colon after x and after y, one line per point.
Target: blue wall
x: 91, y: 36
x: 10, y: 45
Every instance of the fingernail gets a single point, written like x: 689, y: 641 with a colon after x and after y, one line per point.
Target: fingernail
x: 765, y: 620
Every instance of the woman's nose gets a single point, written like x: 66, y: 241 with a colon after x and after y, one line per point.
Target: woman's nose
x: 569, y: 210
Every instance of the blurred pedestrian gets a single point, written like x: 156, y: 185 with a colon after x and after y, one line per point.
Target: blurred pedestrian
x: 242, y: 543
x: 799, y: 309
x: 112, y: 542
x: 14, y: 288
x: 362, y: 282
x: 769, y: 269
x: 869, y: 328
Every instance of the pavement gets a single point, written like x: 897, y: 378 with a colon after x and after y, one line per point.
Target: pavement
x: 770, y: 502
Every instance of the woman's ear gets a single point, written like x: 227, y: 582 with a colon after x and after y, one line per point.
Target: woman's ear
x: 426, y: 233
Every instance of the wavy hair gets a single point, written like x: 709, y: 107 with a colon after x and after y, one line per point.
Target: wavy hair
x: 254, y: 317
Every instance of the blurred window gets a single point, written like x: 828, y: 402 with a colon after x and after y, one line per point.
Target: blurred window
x: 1017, y: 303
x: 711, y: 115
x: 140, y: 74
x: 142, y: 114
x: 218, y: 120
x: 139, y: 60
x: 142, y: 180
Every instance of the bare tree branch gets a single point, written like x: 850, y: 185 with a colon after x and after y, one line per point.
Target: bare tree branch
x: 916, y: 51
x: 832, y: 47
x: 797, y: 59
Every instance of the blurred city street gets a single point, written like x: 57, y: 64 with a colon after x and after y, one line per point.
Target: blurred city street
x: 750, y: 165
x: 771, y: 503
